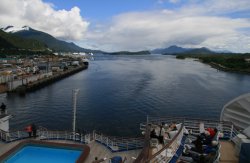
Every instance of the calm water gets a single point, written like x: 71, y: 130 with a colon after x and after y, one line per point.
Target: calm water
x: 117, y: 92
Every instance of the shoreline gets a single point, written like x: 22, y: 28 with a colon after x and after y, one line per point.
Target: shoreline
x: 225, y: 69
x: 46, y: 81
x: 217, y: 66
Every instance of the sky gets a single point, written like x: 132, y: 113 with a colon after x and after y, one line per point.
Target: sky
x: 133, y: 25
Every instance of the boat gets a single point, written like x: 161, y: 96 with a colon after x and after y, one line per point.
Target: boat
x: 163, y: 140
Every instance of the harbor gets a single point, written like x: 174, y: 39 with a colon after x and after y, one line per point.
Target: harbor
x: 42, y: 82
x: 28, y: 74
x: 103, y: 148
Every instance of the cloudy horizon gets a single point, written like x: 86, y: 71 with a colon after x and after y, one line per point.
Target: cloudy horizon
x: 215, y: 24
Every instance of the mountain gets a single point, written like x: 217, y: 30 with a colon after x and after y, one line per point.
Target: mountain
x: 8, y: 40
x: 45, y: 38
x: 128, y: 53
x: 174, y: 50
x: 12, y: 29
x: 170, y: 50
x: 201, y: 51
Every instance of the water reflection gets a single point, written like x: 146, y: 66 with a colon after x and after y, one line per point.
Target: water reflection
x: 117, y: 92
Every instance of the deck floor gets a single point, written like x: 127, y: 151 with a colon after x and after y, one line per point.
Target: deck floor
x: 99, y: 151
x: 96, y: 150
x: 4, y: 147
x: 227, y: 152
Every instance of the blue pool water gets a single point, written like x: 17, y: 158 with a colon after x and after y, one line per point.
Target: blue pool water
x: 36, y: 154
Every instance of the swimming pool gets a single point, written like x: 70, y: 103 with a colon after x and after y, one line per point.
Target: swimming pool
x: 46, y: 152
x: 32, y: 154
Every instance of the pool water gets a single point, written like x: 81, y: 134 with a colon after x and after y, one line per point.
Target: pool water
x: 38, y: 154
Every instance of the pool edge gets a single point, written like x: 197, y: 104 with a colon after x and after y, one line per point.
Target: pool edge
x: 81, y: 159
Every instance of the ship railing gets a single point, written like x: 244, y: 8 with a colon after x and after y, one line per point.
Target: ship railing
x: 44, y: 134
x: 12, y: 136
x: 169, y: 151
x: 63, y: 135
x: 145, y: 153
x: 117, y: 144
x: 193, y: 125
x: 166, y: 153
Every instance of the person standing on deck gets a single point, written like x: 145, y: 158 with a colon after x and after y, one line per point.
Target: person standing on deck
x: 3, y: 108
x: 34, y: 130
x: 29, y: 130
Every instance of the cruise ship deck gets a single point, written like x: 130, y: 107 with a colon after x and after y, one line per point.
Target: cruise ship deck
x: 96, y: 150
x: 227, y: 152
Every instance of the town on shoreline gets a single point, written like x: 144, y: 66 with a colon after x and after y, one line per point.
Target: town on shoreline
x: 26, y: 73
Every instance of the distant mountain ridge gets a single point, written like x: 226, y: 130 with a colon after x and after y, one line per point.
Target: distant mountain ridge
x: 52, y: 43
x: 170, y: 50
x: 145, y: 52
x: 202, y: 50
x: 173, y: 50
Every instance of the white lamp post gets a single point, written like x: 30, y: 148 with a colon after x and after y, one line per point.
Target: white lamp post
x: 75, y: 92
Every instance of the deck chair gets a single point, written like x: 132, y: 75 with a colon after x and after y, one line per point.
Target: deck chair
x: 201, y: 128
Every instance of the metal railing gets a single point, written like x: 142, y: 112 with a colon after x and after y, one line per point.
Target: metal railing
x: 227, y: 128
x: 117, y: 144
x: 114, y: 144
x: 61, y: 135
x: 166, y: 153
x: 169, y: 151
x: 12, y: 136
x: 44, y: 134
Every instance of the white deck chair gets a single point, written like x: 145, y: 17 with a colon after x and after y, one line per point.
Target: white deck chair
x: 202, y: 128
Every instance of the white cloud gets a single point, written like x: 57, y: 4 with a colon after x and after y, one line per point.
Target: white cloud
x: 174, y: 1
x: 138, y: 31
x: 209, y: 23
x: 170, y: 1
x: 68, y: 25
x: 192, y: 26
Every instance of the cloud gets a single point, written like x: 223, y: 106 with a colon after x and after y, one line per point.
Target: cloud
x: 138, y: 31
x: 67, y: 25
x: 192, y: 26
x: 170, y: 1
x: 174, y: 1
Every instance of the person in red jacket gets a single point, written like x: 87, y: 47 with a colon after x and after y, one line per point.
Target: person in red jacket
x: 212, y: 132
x: 29, y: 130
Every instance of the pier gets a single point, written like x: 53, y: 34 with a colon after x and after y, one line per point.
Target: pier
x: 36, y: 82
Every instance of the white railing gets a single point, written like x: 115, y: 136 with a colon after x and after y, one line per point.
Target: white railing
x: 227, y: 128
x: 63, y: 135
x: 116, y: 144
x: 12, y: 136
x: 45, y: 134
x: 169, y: 151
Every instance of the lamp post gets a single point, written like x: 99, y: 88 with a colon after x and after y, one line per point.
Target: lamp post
x: 75, y: 92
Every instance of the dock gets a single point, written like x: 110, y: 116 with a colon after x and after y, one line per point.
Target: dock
x: 40, y: 83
